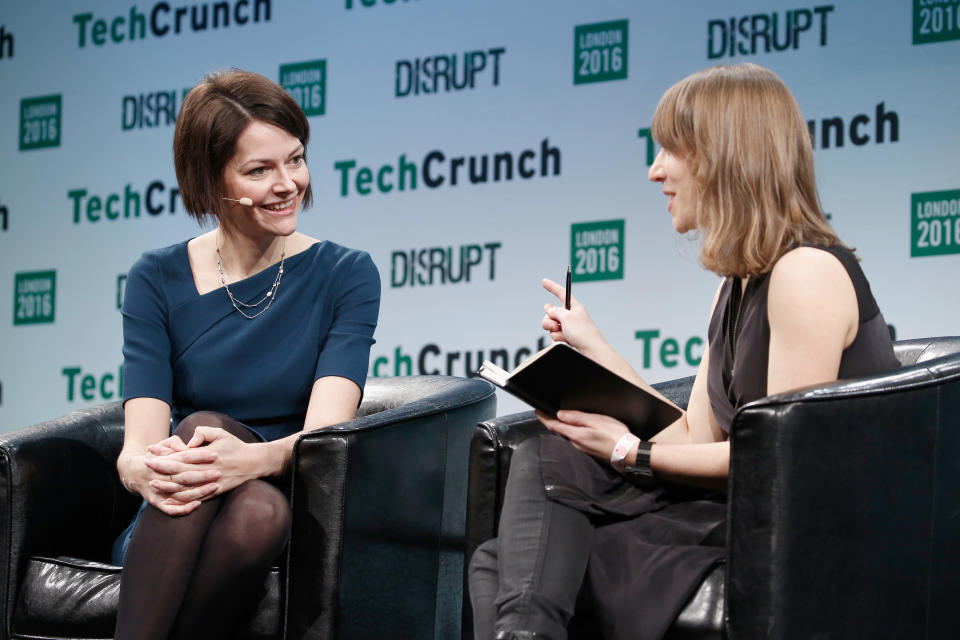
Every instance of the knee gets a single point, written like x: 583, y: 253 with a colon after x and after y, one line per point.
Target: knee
x: 259, y: 525
x: 188, y: 425
x: 525, y: 460
x: 484, y: 559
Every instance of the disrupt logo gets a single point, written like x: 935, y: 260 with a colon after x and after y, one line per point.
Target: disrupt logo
x: 156, y: 109
x: 833, y: 129
x: 436, y: 170
x: 157, y: 198
x: 6, y: 43
x: 440, y: 265
x: 424, y: 75
x: 764, y: 32
x: 165, y: 19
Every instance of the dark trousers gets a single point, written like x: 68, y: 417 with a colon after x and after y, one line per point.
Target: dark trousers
x: 529, y: 576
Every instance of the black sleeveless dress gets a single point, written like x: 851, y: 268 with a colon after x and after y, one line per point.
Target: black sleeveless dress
x: 652, y: 548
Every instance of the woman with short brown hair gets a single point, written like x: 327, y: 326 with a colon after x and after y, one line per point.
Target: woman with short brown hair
x: 245, y: 336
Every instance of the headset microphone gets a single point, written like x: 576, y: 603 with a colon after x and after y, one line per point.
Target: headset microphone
x: 246, y: 202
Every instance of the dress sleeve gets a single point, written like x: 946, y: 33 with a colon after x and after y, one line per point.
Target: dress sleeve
x: 346, y: 351
x: 146, y: 341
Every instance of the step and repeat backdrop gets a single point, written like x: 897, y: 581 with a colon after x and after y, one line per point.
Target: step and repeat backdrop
x: 472, y: 148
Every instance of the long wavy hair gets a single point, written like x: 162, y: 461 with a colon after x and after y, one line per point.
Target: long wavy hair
x: 742, y: 131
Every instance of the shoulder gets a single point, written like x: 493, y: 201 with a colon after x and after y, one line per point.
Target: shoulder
x: 811, y: 285
x: 159, y: 263
x: 344, y: 261
x: 806, y: 265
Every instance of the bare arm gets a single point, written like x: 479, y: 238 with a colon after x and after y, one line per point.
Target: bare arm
x: 812, y: 309
x: 332, y: 400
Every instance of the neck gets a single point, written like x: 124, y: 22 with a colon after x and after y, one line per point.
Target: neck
x: 247, y: 256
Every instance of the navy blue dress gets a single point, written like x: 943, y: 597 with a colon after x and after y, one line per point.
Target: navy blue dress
x: 196, y: 352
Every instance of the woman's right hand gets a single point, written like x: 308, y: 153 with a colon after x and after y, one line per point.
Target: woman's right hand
x: 175, y: 495
x: 574, y: 325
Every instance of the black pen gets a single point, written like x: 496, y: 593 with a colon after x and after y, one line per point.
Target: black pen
x: 569, y: 280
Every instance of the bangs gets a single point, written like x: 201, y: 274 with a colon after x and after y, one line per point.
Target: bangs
x: 673, y: 121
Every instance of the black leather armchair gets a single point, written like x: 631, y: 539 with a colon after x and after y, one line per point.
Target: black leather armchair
x: 843, y: 507
x: 378, y: 526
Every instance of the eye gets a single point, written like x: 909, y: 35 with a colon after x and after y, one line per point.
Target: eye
x: 298, y: 160
x: 257, y: 171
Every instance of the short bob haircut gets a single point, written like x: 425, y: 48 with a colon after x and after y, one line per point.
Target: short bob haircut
x: 743, y: 133
x: 212, y: 117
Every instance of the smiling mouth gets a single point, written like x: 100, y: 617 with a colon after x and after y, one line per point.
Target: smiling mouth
x: 280, y: 206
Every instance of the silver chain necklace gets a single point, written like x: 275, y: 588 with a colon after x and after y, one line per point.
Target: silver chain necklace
x: 269, y: 296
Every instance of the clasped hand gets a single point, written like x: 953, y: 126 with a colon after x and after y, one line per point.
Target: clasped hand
x: 185, y: 474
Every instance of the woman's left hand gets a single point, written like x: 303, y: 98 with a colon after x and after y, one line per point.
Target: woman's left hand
x: 236, y: 461
x: 591, y: 433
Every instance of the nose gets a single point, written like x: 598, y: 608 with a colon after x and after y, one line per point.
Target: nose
x: 285, y: 182
x: 657, y: 172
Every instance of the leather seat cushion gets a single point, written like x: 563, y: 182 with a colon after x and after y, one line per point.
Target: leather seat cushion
x: 72, y: 598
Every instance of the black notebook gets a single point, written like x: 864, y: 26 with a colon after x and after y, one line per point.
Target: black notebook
x: 560, y: 377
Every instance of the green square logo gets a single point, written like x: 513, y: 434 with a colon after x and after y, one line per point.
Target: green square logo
x: 936, y: 21
x: 307, y: 83
x: 34, y: 297
x: 934, y: 223
x: 596, y: 250
x: 40, y: 122
x: 600, y: 52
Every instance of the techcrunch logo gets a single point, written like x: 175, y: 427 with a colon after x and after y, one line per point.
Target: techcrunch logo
x: 89, y: 387
x: 40, y: 122
x: 6, y: 43
x: 436, y: 170
x: 4, y: 217
x: 832, y: 129
x: 156, y: 109
x: 431, y: 360
x: 157, y: 198
x: 436, y: 265
x: 34, y: 297
x: 934, y: 223
x: 935, y: 21
x: 416, y: 75
x: 669, y: 351
x: 164, y: 19
x: 763, y: 32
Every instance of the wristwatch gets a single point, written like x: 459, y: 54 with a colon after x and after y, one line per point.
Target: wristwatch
x: 639, y: 473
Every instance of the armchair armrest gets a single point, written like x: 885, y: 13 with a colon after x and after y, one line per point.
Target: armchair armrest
x: 858, y: 478
x: 380, y: 503
x: 53, y: 477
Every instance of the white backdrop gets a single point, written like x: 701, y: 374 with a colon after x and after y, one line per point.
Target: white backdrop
x: 545, y: 87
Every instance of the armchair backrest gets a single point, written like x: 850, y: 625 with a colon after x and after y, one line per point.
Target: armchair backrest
x: 842, y: 505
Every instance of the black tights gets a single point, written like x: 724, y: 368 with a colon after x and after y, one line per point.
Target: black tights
x: 190, y: 576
